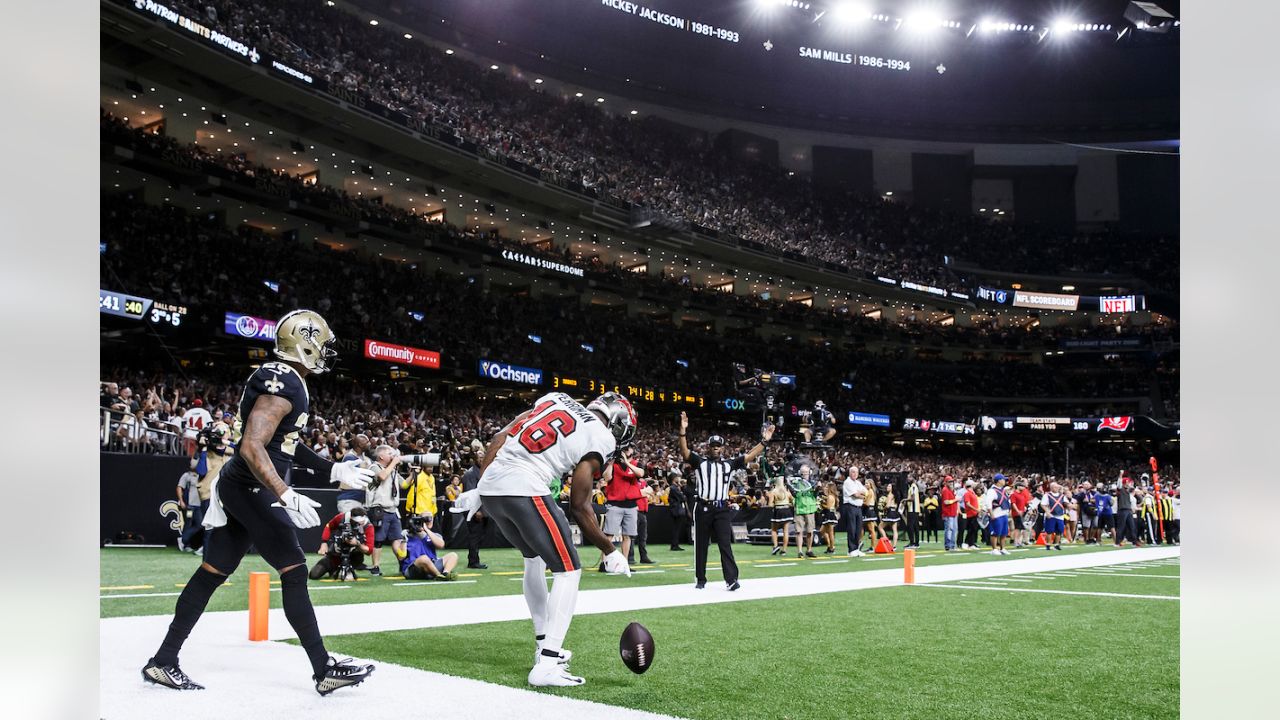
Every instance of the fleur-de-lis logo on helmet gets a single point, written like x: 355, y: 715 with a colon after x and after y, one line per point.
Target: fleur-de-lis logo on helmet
x: 304, y: 337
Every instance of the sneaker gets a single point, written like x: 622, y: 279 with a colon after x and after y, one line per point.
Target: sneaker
x: 1004, y: 552
x: 182, y: 547
x: 964, y: 546
x: 548, y: 672
x: 810, y: 554
x: 701, y: 584
x: 647, y: 561
x: 829, y: 551
x: 170, y: 676
x: 341, y: 673
x: 601, y: 568
x: 733, y: 586
x: 375, y: 571
x: 451, y: 575
x: 200, y: 551
x: 855, y: 553
x: 776, y: 549
x: 676, y: 549
x: 995, y: 552
x: 477, y: 566
x: 1058, y: 548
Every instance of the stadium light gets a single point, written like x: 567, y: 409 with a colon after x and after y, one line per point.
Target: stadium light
x: 373, y: 22
x: 848, y: 13
x: 1062, y: 26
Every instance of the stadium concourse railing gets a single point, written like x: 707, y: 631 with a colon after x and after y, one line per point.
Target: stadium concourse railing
x: 121, y: 432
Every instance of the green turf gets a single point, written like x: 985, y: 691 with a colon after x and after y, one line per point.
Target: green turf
x: 886, y: 653
x: 164, y: 570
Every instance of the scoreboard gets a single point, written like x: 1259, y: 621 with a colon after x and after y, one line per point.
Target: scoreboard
x: 638, y: 393
x: 133, y: 307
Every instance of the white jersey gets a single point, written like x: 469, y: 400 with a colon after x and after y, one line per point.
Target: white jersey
x: 195, y: 420
x: 558, y: 434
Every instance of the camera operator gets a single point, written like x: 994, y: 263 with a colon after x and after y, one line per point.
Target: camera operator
x: 420, y: 561
x: 344, y: 543
x: 383, y: 501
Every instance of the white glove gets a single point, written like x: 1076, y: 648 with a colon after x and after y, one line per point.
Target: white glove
x: 301, y: 509
x: 615, y: 563
x: 350, y: 476
x: 468, y: 502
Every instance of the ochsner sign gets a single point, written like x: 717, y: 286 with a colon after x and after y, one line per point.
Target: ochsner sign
x: 510, y: 373
x: 387, y: 352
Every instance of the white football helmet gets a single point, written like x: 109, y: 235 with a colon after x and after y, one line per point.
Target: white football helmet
x: 619, y: 416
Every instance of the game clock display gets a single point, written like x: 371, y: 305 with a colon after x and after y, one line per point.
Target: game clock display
x: 636, y: 393
x: 140, y: 308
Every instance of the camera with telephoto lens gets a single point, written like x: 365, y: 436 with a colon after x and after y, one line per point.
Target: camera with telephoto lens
x: 415, y: 524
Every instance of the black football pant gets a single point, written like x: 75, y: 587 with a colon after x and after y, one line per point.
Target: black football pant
x: 913, y: 528
x: 679, y: 528
x: 715, y: 522
x: 852, y: 517
x: 970, y: 531
x: 475, y: 534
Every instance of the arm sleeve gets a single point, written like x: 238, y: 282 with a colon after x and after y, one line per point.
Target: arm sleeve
x: 738, y: 462
x: 305, y: 457
x: 327, y: 532
x: 368, y: 535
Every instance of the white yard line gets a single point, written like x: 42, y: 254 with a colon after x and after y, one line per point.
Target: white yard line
x: 1055, y: 592
x: 1129, y: 575
x: 272, y: 679
x: 828, y: 562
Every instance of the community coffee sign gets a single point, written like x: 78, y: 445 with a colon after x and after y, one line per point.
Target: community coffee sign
x: 388, y: 352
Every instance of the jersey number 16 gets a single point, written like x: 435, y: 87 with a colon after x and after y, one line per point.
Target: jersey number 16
x: 541, y: 429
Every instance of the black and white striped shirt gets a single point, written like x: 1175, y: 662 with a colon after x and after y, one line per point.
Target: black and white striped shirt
x: 713, y: 476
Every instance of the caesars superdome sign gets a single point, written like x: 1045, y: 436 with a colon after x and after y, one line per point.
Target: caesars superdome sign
x: 510, y: 373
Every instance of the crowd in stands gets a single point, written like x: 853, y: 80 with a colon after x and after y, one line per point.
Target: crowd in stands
x: 646, y: 163
x: 416, y: 422
x: 213, y: 269
x: 909, y: 328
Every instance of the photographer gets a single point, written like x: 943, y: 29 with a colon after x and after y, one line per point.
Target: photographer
x: 383, y: 501
x: 345, y: 541
x: 420, y: 561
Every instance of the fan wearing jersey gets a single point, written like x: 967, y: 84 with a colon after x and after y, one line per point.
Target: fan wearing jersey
x: 557, y: 436
x: 253, y: 504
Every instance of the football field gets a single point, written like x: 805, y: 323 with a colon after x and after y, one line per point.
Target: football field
x: 977, y: 636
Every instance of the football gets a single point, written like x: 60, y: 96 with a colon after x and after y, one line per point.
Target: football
x: 636, y: 648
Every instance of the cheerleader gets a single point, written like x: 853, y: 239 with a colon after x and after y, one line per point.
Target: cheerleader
x: 780, y: 499
x: 827, y: 517
x: 890, y: 515
x: 870, y: 516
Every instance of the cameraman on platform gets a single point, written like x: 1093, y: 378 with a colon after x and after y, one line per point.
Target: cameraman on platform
x: 348, y: 536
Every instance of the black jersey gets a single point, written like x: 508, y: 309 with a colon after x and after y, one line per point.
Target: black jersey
x: 273, y: 378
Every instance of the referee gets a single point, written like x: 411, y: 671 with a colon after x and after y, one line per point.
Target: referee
x: 712, y: 513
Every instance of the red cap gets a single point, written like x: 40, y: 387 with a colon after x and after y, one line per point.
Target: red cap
x: 947, y: 477
x: 197, y: 403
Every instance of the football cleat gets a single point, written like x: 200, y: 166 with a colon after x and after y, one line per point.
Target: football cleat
x: 563, y: 659
x: 341, y: 673
x: 550, y: 673
x: 170, y: 676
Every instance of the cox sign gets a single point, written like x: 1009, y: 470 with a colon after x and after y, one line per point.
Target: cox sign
x: 734, y: 404
x: 510, y: 373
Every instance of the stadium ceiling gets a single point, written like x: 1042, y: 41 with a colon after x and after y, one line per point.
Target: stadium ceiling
x: 991, y: 71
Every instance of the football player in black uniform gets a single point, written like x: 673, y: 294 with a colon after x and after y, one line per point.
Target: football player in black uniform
x: 252, y: 503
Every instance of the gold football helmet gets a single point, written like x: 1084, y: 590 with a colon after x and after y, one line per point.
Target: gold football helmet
x: 304, y: 337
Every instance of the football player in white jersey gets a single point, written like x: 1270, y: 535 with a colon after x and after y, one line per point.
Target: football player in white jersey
x: 557, y: 436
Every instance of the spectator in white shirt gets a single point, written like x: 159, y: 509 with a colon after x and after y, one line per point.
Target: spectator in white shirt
x: 851, y: 511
